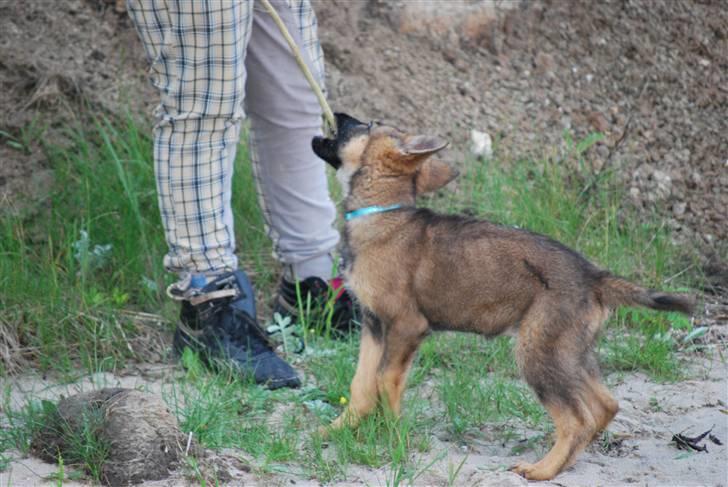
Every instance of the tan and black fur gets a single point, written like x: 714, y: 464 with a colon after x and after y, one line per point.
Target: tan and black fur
x: 415, y: 271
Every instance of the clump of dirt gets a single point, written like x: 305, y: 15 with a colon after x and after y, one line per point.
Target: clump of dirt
x: 141, y: 437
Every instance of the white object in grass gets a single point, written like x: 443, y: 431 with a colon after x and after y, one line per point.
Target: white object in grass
x: 481, y: 145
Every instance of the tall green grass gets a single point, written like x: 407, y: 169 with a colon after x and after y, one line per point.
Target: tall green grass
x: 96, y: 248
x: 92, y: 251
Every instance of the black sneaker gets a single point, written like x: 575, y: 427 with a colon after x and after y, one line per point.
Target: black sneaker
x: 328, y: 300
x: 219, y: 322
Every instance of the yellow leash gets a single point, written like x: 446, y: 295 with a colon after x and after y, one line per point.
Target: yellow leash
x: 328, y: 114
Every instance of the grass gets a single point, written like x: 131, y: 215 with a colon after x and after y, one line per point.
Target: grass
x: 76, y: 278
x: 84, y: 449
x: 646, y: 343
x: 472, y: 398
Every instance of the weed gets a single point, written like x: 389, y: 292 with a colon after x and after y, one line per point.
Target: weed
x: 655, y: 405
x: 454, y: 470
x: 82, y: 445
x: 60, y: 474
x: 645, y: 343
x: 332, y: 363
x: 21, y: 424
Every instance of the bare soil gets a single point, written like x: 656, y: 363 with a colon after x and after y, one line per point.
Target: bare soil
x: 60, y: 62
x: 651, y: 76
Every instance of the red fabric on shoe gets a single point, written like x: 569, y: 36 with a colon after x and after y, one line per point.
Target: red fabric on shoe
x: 337, y: 284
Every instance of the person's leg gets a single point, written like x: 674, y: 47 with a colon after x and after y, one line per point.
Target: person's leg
x: 284, y: 116
x: 197, y: 52
x: 293, y: 192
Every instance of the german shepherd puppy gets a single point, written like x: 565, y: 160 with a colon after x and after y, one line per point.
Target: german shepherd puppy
x: 415, y: 271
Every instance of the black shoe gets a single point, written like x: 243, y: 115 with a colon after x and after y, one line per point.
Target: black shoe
x: 328, y: 300
x: 219, y: 322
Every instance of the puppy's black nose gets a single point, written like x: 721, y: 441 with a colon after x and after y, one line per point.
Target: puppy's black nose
x: 326, y: 149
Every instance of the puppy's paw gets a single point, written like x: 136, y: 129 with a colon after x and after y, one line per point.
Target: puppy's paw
x: 342, y: 421
x: 533, y: 471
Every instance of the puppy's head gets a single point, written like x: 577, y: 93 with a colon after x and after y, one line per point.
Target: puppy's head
x: 381, y: 151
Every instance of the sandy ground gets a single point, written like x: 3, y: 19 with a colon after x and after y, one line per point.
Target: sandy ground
x: 637, y: 449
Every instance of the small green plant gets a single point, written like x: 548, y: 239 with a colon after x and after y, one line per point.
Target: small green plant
x: 655, y: 404
x: 60, y: 474
x: 333, y: 363
x: 84, y: 445
x: 13, y: 142
x: 454, y: 470
x: 646, y: 342
x: 22, y: 423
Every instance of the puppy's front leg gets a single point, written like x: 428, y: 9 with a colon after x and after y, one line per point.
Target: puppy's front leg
x: 400, y: 344
x: 364, y: 384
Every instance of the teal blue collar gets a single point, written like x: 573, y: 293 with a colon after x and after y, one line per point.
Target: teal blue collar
x: 370, y: 210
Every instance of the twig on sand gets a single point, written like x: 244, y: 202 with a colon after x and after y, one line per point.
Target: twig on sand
x: 693, y: 443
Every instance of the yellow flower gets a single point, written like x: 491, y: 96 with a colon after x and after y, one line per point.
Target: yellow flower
x: 343, y: 400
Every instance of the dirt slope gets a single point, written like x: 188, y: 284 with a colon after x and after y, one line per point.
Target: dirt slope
x: 56, y: 59
x: 650, y: 75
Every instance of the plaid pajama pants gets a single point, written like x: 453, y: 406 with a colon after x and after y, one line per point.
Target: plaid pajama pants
x: 215, y: 62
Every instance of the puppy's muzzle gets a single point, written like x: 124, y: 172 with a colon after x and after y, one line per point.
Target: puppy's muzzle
x: 328, y: 149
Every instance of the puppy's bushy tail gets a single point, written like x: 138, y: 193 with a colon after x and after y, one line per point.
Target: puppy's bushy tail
x: 614, y: 291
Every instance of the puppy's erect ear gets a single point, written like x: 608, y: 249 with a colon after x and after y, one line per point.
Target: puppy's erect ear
x: 433, y: 175
x: 422, y: 145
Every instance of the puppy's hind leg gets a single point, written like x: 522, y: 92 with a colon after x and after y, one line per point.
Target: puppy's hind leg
x: 549, y: 361
x: 364, y: 392
x: 601, y: 402
x: 574, y: 428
